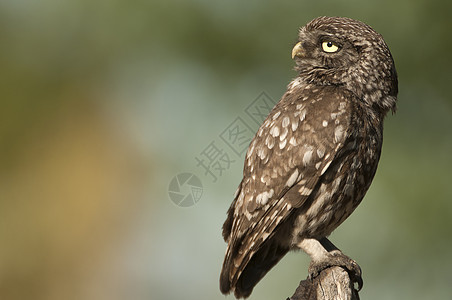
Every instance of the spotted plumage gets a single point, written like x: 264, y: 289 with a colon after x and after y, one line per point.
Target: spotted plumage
x: 314, y: 157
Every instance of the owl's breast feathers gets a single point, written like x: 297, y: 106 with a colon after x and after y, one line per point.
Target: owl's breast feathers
x: 307, y: 168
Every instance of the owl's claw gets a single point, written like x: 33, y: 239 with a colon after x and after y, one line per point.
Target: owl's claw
x: 337, y: 258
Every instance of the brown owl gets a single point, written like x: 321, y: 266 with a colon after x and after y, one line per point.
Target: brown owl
x: 314, y: 157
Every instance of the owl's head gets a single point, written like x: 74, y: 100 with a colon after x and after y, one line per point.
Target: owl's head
x: 345, y: 52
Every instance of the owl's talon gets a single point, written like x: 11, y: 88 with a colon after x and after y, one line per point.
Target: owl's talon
x: 337, y: 260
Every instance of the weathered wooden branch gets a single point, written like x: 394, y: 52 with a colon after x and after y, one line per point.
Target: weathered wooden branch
x: 333, y: 283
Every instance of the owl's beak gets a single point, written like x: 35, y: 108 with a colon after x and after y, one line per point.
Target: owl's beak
x: 298, y: 51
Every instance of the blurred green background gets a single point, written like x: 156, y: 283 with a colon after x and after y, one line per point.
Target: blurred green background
x: 103, y: 102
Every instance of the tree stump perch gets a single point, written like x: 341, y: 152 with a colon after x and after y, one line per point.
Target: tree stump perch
x: 333, y: 283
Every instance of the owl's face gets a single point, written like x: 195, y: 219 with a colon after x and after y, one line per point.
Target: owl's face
x: 323, y: 51
x: 346, y: 52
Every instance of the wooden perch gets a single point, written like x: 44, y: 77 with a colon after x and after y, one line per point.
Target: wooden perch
x: 333, y: 283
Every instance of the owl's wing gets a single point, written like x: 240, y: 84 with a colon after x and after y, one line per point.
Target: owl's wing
x: 292, y: 149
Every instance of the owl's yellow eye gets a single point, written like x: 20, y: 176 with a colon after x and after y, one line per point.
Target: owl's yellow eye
x: 329, y: 47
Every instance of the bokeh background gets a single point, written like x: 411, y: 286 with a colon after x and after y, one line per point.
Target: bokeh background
x: 103, y: 102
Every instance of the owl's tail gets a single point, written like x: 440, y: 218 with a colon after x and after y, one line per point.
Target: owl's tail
x: 242, y: 276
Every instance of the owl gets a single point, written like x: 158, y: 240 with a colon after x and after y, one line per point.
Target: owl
x: 314, y: 157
